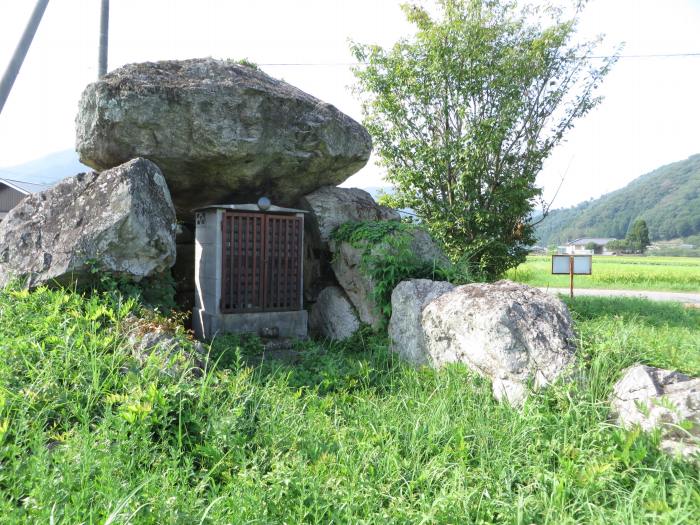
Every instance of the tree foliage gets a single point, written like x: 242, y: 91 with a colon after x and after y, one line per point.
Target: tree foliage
x: 618, y: 246
x: 636, y: 241
x: 464, y: 114
x: 638, y: 236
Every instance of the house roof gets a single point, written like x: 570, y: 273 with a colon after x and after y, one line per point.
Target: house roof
x: 600, y: 241
x: 250, y: 207
x: 25, y: 187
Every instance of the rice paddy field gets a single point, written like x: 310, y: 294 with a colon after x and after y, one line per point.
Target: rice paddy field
x: 677, y: 274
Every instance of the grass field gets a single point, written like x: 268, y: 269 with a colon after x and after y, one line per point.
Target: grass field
x: 347, y: 435
x: 680, y: 274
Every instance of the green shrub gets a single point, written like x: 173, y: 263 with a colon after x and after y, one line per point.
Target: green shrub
x: 156, y: 291
x: 387, y: 258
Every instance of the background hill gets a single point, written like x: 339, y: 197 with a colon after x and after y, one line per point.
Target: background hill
x: 668, y: 199
x: 46, y: 170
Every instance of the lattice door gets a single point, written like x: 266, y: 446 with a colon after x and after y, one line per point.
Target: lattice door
x: 261, y: 266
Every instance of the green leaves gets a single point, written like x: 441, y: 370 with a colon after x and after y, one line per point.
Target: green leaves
x: 638, y: 235
x: 388, y: 258
x: 464, y: 114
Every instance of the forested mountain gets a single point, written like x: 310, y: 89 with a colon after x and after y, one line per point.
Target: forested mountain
x: 46, y: 170
x: 668, y: 199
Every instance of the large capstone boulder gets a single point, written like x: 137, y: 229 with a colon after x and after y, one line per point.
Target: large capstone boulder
x: 333, y: 316
x: 121, y: 220
x: 656, y: 398
x: 508, y: 332
x: 408, y: 300
x: 353, y: 276
x: 221, y: 132
x: 331, y: 207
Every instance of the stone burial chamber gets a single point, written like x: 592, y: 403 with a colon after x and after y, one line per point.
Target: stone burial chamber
x: 222, y: 133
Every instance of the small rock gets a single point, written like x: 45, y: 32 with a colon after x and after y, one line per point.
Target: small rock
x: 657, y: 398
x: 333, y: 316
x: 147, y: 339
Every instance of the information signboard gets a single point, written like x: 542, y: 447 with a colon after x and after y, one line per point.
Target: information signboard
x: 572, y: 265
x: 583, y: 264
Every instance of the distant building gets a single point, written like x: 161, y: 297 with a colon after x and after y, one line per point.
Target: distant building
x: 13, y: 191
x: 582, y: 246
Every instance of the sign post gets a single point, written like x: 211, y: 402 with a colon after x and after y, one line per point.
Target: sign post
x: 572, y: 265
x: 571, y: 277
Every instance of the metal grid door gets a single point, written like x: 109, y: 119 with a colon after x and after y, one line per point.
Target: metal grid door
x: 261, y: 262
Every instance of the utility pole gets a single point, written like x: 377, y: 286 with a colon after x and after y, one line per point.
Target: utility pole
x: 104, y: 39
x: 8, y: 79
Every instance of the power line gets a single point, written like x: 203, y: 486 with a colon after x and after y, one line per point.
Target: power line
x: 4, y: 171
x: 22, y: 181
x: 652, y: 55
x: 350, y: 64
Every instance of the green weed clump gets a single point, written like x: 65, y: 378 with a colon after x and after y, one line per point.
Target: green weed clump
x: 337, y: 433
x: 388, y: 258
x: 156, y: 291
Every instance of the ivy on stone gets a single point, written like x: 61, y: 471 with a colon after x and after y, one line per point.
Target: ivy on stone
x: 387, y: 258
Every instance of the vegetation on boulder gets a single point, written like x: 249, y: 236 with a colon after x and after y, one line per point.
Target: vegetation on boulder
x: 387, y: 258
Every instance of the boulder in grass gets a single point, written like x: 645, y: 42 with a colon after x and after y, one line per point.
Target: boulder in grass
x: 333, y: 316
x: 408, y: 300
x: 220, y: 131
x: 173, y: 352
x: 511, y: 333
x: 656, y: 398
x: 121, y: 220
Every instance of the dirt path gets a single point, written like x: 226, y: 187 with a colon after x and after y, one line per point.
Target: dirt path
x: 681, y: 297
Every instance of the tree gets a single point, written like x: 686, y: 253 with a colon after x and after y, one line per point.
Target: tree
x: 591, y: 246
x: 638, y: 236
x: 618, y: 246
x: 464, y: 114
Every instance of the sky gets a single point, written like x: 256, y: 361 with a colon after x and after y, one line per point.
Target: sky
x: 649, y: 117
